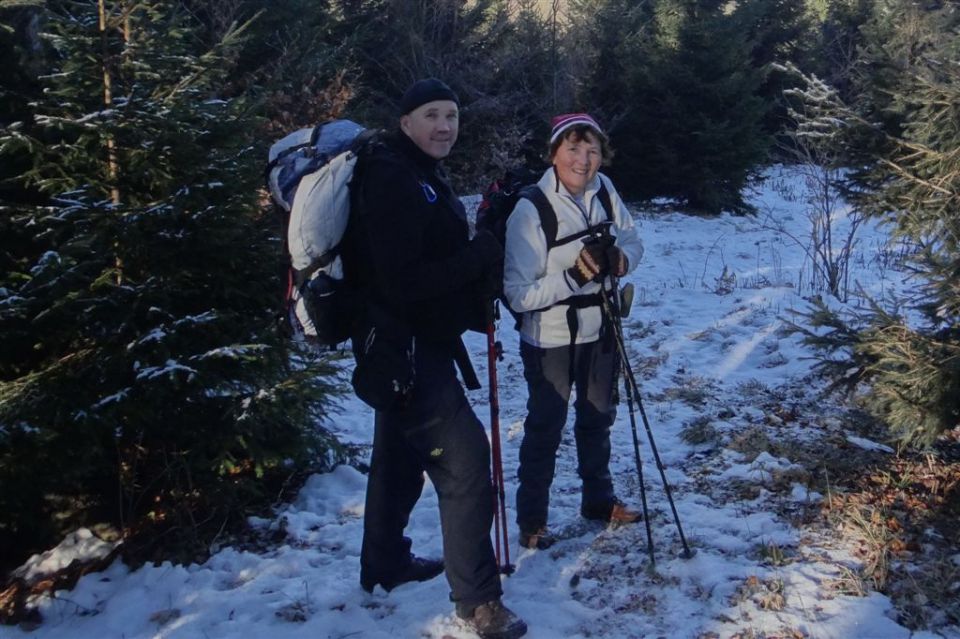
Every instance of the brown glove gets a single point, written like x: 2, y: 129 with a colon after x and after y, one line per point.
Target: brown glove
x: 591, y: 265
x: 618, y: 262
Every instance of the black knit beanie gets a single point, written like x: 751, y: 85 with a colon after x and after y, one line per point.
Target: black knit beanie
x: 423, y: 91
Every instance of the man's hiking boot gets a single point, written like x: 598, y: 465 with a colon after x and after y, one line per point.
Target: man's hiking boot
x: 419, y: 569
x: 539, y: 539
x: 493, y: 620
x: 613, y: 512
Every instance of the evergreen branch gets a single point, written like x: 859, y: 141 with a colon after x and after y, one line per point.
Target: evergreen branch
x: 18, y: 4
x: 913, y: 178
x: 208, y: 61
x: 29, y: 387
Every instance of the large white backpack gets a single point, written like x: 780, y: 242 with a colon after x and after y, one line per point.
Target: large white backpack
x: 308, y: 175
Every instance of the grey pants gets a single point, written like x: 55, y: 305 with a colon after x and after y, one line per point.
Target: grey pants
x: 550, y: 374
x: 438, y: 433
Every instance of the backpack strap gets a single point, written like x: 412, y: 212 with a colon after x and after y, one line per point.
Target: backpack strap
x: 548, y: 217
x: 605, y: 201
x: 462, y: 358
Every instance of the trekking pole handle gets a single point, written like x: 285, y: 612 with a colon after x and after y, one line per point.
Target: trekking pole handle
x: 600, y: 235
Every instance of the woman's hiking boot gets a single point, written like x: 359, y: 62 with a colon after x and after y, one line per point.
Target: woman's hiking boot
x: 419, y: 569
x: 613, y: 512
x: 493, y: 620
x: 540, y: 539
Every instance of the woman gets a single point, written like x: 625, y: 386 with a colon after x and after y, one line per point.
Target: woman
x: 555, y: 270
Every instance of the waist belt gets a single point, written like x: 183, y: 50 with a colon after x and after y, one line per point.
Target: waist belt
x: 573, y: 320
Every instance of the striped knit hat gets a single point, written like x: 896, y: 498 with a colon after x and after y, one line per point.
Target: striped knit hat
x: 563, y: 122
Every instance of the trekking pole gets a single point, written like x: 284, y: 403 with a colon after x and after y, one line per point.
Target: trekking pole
x: 494, y: 351
x: 631, y: 383
x: 633, y: 428
x: 643, y: 490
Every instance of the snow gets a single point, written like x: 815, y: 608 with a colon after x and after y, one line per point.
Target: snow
x: 208, y: 316
x: 169, y: 368
x: 109, y: 399
x: 80, y: 544
x: 48, y: 258
x: 229, y: 352
x: 700, y: 351
x: 155, y: 335
x: 866, y: 444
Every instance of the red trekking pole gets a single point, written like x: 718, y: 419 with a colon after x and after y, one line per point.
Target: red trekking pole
x: 494, y: 352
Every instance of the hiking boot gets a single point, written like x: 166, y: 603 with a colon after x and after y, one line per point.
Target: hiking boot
x: 419, y: 569
x: 615, y: 512
x: 493, y: 620
x: 539, y: 539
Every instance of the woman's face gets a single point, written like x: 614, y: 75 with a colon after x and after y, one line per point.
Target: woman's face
x: 577, y: 162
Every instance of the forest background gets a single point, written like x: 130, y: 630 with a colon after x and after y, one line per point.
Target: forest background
x: 145, y: 388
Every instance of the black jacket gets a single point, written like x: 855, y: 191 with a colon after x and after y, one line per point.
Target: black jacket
x: 410, y: 246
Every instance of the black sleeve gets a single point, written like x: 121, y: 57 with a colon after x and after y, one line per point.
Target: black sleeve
x: 393, y: 221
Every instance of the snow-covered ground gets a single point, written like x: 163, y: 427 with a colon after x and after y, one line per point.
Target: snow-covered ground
x: 706, y: 344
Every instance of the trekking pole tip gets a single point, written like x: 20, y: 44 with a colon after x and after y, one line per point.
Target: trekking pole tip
x: 688, y: 553
x: 507, y: 569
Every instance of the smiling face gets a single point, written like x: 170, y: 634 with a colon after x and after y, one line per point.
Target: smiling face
x: 433, y: 127
x: 577, y: 159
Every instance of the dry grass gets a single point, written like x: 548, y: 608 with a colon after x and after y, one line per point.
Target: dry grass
x: 699, y: 430
x: 897, y: 513
x: 900, y: 513
x: 849, y: 583
x: 751, y: 442
x: 766, y: 594
x: 929, y: 596
x: 771, y: 554
x: 692, y: 390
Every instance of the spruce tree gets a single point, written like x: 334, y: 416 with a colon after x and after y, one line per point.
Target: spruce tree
x: 698, y: 116
x: 461, y: 42
x: 514, y: 95
x: 915, y: 186
x: 905, y: 145
x: 779, y: 31
x: 609, y: 46
x: 146, y: 386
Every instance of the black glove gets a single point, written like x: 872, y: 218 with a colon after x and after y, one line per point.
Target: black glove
x: 618, y: 262
x: 491, y: 283
x: 591, y: 264
x: 487, y: 251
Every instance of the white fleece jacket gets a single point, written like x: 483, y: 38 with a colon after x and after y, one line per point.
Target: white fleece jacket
x: 534, y: 278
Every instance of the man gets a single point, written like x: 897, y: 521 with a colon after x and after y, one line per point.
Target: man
x: 420, y: 272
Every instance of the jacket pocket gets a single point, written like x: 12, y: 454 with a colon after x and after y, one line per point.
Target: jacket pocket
x: 384, y: 375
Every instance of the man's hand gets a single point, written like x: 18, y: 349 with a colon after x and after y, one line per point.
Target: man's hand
x: 487, y: 250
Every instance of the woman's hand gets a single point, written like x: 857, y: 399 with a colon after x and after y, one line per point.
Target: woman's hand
x: 617, y: 261
x: 591, y: 265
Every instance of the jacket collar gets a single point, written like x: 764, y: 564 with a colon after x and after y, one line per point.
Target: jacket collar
x: 550, y: 182
x: 410, y: 149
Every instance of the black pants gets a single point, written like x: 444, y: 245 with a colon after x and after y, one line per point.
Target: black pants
x: 439, y: 433
x: 548, y: 372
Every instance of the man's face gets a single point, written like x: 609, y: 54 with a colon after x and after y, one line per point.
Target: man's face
x: 433, y: 127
